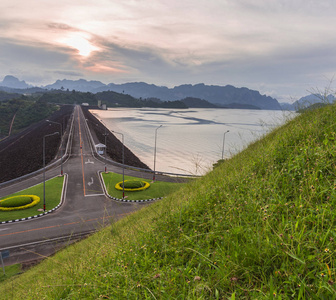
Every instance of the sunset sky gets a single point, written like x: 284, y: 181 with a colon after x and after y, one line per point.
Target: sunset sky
x: 282, y: 48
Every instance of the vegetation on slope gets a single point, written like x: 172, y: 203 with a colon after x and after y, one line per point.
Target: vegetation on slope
x: 261, y: 225
x: 67, y: 97
x: 25, y: 111
x: 8, y: 96
x: 22, y: 153
x: 113, y: 99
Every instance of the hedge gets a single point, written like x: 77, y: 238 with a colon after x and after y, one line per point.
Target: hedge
x: 17, y: 202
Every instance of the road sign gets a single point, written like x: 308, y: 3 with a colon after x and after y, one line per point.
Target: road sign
x: 5, y: 254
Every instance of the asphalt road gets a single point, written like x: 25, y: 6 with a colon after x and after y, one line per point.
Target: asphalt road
x: 85, y: 207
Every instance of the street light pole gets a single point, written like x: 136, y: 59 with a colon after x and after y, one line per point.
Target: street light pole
x: 44, y: 200
x: 155, y: 151
x: 223, y: 143
x: 123, y: 160
x: 60, y: 124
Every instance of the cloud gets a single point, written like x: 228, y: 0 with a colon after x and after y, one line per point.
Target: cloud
x: 67, y: 73
x: 60, y: 26
x: 279, y: 46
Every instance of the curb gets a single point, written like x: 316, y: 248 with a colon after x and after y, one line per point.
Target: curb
x: 122, y: 200
x: 47, y: 212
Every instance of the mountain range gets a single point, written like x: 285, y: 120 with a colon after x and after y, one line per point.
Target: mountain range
x: 217, y: 96
x: 221, y: 96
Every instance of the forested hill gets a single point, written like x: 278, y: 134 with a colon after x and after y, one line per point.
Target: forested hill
x: 113, y: 99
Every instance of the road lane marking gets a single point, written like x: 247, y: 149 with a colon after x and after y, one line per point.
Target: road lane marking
x: 91, y: 182
x: 90, y: 195
x: 89, y: 161
x: 81, y: 149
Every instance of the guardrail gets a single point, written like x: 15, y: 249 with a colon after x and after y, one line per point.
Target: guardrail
x: 65, y: 155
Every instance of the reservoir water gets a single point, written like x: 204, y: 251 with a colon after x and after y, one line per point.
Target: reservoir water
x: 190, y: 140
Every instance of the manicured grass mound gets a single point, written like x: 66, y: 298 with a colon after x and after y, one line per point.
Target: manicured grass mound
x: 53, y: 190
x: 16, y: 201
x: 158, y: 189
x: 132, y: 185
x: 19, y: 202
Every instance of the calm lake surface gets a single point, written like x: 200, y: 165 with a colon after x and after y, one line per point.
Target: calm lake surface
x: 190, y: 140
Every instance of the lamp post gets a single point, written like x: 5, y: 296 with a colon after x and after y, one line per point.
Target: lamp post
x: 224, y: 143
x: 155, y: 151
x: 123, y: 160
x: 60, y: 124
x: 44, y: 202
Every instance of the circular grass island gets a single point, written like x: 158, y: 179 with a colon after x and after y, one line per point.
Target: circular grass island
x: 19, y: 202
x: 132, y: 185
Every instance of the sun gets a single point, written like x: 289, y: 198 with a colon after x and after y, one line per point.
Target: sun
x: 79, y: 42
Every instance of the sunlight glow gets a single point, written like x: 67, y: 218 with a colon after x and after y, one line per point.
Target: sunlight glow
x: 80, y: 43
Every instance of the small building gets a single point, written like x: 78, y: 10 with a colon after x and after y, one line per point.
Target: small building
x: 100, y: 149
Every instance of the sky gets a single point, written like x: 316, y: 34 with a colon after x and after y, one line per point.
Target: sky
x: 282, y: 48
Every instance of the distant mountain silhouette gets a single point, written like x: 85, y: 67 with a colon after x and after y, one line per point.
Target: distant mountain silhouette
x: 312, y: 99
x: 80, y: 85
x: 220, y: 96
x: 12, y: 82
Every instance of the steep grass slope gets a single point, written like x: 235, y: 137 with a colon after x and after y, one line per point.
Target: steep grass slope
x: 260, y: 226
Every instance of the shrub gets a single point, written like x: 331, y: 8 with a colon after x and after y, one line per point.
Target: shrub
x: 19, y: 202
x: 132, y: 185
x: 16, y: 201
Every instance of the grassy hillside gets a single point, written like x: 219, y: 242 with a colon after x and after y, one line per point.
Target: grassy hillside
x: 260, y: 226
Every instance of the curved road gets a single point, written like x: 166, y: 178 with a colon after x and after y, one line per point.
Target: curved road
x: 85, y: 208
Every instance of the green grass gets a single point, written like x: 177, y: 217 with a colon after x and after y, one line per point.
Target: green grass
x: 10, y: 271
x: 260, y: 226
x: 53, y: 196
x: 157, y: 189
